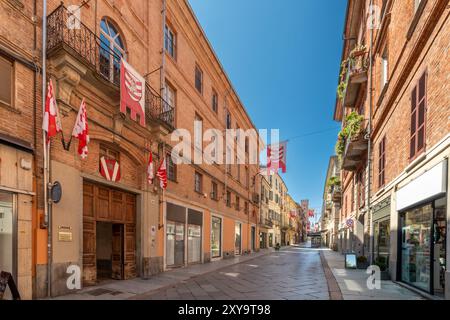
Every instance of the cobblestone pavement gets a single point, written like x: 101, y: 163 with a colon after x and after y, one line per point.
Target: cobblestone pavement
x: 292, y: 274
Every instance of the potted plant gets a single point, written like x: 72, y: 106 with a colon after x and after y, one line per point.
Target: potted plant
x: 341, y: 89
x: 381, y: 262
x: 361, y: 262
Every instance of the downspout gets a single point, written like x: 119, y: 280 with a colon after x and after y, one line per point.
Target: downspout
x: 369, y: 149
x: 163, y: 60
x: 47, y: 218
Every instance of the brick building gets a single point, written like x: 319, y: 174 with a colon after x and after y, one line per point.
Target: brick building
x: 116, y: 227
x: 394, y: 105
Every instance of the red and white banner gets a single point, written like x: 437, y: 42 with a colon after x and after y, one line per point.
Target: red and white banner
x: 276, y: 157
x: 81, y: 131
x: 150, y: 170
x: 162, y: 174
x: 132, y: 92
x: 52, y: 121
x: 311, y: 213
x: 110, y: 169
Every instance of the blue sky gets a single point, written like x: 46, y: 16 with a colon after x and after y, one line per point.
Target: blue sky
x: 283, y: 58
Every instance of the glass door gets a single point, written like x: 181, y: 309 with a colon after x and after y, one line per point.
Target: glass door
x: 170, y: 244
x: 416, y: 247
x: 216, y: 237
x: 179, y: 244
x: 194, y: 244
x: 237, y: 239
x: 439, y: 246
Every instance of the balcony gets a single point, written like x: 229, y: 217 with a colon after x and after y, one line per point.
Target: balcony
x: 336, y: 194
x: 79, y: 53
x: 355, y: 75
x: 355, y: 151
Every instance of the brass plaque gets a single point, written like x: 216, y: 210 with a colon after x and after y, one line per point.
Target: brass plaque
x: 65, y: 234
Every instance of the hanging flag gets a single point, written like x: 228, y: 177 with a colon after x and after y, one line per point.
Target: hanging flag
x: 132, y: 92
x: 276, y: 157
x: 110, y: 169
x: 311, y: 213
x: 150, y: 170
x: 162, y: 174
x: 52, y: 121
x: 81, y: 131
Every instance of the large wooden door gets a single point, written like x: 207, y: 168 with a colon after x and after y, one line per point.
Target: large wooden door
x: 89, y: 236
x: 117, y: 258
x: 105, y: 204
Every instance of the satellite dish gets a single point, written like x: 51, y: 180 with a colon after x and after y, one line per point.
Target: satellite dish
x: 56, y: 192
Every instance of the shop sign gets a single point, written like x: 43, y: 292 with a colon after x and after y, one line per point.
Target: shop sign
x: 427, y: 186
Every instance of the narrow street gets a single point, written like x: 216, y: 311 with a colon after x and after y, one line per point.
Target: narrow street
x: 292, y: 274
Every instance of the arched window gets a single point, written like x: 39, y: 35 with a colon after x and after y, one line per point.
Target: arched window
x: 112, y: 50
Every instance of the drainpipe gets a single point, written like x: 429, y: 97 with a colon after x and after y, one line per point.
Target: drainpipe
x: 163, y: 61
x: 47, y: 220
x: 369, y: 149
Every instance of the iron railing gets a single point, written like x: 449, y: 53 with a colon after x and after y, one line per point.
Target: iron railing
x: 63, y: 30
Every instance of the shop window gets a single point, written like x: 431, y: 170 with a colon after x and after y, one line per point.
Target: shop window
x: 7, y: 232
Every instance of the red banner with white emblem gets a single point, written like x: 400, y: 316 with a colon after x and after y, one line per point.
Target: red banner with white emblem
x: 132, y: 92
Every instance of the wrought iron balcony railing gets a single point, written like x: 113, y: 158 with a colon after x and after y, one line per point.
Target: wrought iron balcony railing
x: 63, y: 31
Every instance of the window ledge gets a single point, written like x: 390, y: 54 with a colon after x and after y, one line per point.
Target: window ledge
x: 10, y: 108
x: 383, y: 94
x: 416, y: 19
x: 415, y: 162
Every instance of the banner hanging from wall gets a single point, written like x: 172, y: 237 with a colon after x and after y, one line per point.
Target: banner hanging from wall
x: 132, y: 92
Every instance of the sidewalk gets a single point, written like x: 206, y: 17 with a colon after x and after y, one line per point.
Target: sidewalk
x: 352, y: 283
x: 128, y: 289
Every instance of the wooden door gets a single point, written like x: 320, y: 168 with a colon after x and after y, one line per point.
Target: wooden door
x: 89, y: 236
x: 105, y: 204
x: 117, y: 258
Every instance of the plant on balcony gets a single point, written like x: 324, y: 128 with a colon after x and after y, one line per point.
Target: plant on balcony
x: 351, y: 130
x: 341, y: 89
x: 334, y: 181
x: 340, y: 144
x: 353, y: 124
x: 358, y: 50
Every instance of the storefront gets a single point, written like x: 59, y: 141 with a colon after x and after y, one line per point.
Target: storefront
x: 8, y: 223
x: 16, y: 199
x: 216, y: 237
x: 422, y: 207
x: 183, y: 236
x: 263, y: 237
x: 382, y: 231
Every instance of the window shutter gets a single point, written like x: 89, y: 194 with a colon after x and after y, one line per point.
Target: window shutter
x: 413, y: 123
